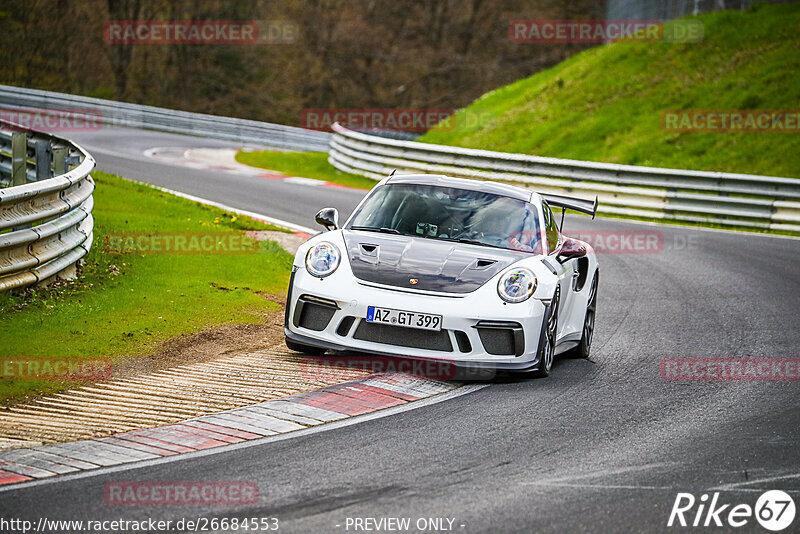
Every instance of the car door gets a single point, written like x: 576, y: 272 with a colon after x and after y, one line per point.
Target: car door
x: 564, y: 271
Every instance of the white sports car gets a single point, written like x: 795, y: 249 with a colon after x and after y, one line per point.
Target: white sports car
x: 430, y: 267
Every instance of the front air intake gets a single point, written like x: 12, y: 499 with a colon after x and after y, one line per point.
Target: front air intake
x: 462, y: 340
x: 502, y: 338
x: 314, y: 313
x: 344, y: 326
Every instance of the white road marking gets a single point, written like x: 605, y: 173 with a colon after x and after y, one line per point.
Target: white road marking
x: 602, y: 473
x: 303, y: 181
x: 252, y: 214
x: 596, y: 486
x: 698, y: 228
x: 734, y: 485
x: 636, y: 487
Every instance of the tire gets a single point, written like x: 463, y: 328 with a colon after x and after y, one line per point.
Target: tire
x: 582, y: 349
x: 305, y: 349
x: 547, y: 350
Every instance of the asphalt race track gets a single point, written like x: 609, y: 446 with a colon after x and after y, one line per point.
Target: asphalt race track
x: 600, y: 446
x: 121, y: 151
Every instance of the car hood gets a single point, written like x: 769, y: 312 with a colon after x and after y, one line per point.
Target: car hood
x: 422, y: 263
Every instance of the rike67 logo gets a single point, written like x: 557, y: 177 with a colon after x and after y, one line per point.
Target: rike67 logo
x: 774, y: 510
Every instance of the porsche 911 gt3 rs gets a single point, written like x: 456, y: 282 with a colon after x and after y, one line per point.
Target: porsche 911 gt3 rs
x: 430, y: 267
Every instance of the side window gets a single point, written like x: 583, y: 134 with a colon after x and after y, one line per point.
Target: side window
x: 551, y: 228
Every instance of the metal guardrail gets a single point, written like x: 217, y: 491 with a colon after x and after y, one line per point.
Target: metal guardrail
x: 736, y: 200
x: 46, y: 213
x: 111, y: 113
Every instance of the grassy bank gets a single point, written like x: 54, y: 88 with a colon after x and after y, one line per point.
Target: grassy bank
x: 605, y: 104
x: 124, y: 306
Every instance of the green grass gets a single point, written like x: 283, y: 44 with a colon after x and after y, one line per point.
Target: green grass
x: 605, y: 104
x: 152, y: 299
x: 304, y: 164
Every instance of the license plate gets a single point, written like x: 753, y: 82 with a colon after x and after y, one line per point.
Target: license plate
x: 423, y: 321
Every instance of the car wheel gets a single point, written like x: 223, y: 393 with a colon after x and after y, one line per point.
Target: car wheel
x: 305, y: 349
x: 548, y: 346
x: 582, y: 350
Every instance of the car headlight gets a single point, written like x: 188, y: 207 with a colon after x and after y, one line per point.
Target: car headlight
x: 322, y: 259
x: 517, y: 285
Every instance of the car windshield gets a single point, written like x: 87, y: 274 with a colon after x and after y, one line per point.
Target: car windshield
x: 451, y: 214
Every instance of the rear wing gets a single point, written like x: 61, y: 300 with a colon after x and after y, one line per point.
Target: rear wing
x: 588, y: 207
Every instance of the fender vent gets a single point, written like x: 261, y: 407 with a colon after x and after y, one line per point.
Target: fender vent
x: 583, y: 270
x: 368, y: 250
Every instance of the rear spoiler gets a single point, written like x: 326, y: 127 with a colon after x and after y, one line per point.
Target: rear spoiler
x: 588, y: 207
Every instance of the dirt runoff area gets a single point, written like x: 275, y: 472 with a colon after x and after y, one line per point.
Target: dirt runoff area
x: 197, y: 374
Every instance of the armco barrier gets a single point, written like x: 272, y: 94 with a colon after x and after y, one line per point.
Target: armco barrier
x: 46, y: 213
x: 737, y: 200
x: 111, y: 113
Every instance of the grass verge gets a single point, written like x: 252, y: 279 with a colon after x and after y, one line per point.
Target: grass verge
x: 304, y: 164
x: 124, y: 306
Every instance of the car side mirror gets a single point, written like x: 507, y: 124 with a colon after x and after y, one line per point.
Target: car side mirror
x: 328, y: 217
x: 571, y: 248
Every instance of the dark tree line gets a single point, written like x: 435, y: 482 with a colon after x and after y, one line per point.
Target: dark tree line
x: 349, y: 53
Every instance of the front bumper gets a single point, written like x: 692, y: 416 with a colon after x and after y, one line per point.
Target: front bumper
x: 479, y: 330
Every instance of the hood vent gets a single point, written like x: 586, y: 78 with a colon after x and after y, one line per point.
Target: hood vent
x: 481, y: 264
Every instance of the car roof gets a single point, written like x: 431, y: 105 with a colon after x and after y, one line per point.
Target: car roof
x: 463, y: 183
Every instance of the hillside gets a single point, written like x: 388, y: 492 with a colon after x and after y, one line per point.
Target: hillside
x: 605, y: 104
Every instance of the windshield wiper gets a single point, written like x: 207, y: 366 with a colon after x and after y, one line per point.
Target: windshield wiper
x: 480, y: 243
x: 382, y: 229
x: 470, y: 242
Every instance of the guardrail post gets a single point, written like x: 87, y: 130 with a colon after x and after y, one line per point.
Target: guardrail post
x: 60, y: 161
x: 19, y: 165
x: 69, y: 161
x: 19, y: 156
x: 44, y: 155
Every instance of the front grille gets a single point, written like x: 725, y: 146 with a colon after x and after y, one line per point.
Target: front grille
x: 403, y: 337
x: 501, y: 338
